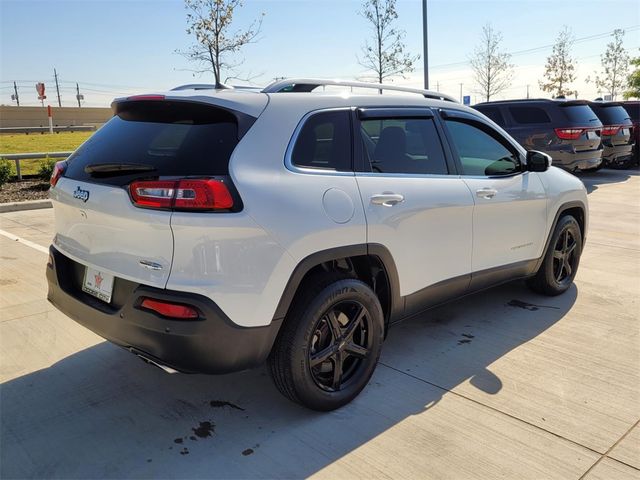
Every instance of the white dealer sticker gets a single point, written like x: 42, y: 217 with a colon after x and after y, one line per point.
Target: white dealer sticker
x: 98, y: 284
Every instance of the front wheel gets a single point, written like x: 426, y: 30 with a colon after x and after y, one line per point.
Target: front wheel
x: 560, y: 263
x: 329, y: 344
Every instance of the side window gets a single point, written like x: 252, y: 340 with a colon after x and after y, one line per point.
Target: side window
x: 403, y: 145
x: 324, y: 142
x: 480, y: 153
x: 529, y: 115
x: 494, y: 114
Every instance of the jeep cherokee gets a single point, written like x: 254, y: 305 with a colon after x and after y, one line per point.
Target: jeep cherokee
x: 210, y: 230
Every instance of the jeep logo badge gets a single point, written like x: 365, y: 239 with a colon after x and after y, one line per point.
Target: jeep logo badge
x: 81, y: 194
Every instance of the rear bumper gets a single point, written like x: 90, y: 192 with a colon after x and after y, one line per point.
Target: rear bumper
x: 576, y: 160
x: 211, y: 344
x: 616, y: 154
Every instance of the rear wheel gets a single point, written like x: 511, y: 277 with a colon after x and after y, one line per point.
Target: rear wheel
x: 560, y: 263
x: 329, y: 344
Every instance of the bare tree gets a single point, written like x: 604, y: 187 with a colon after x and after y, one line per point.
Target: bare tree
x: 491, y: 67
x: 559, y: 70
x: 210, y: 22
x: 615, y: 66
x: 385, y: 55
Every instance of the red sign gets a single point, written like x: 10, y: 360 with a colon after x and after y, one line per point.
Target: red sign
x: 40, y: 90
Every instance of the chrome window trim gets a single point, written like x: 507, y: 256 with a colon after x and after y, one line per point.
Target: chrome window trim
x: 288, y: 163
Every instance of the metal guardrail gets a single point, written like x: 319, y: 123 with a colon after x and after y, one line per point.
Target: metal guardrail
x: 31, y: 156
x: 56, y: 128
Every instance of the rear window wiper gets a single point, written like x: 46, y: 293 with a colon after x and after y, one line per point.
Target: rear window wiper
x: 113, y: 169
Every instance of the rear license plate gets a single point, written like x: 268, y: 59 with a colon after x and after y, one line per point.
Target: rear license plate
x: 98, y: 284
x: 591, y: 135
x: 624, y: 132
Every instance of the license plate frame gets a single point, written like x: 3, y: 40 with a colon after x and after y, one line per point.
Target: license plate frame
x: 98, y: 284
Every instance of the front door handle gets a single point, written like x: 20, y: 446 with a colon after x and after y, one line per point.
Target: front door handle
x: 387, y: 199
x: 486, y: 193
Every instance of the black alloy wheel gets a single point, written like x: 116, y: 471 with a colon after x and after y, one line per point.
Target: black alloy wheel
x: 339, y: 344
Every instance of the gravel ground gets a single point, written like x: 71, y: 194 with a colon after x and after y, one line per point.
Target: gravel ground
x: 24, y: 190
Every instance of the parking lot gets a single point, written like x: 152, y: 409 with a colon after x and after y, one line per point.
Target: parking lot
x: 501, y: 384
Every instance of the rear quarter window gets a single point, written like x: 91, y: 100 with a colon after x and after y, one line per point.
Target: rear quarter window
x: 529, y: 115
x: 173, y: 138
x: 324, y: 142
x: 494, y: 114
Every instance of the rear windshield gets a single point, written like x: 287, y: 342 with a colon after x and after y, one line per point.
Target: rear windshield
x: 612, y: 115
x: 157, y: 139
x: 579, y: 114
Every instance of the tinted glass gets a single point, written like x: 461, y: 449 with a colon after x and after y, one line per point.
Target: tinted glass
x: 324, y: 142
x: 403, y: 145
x: 579, y: 114
x: 170, y: 138
x: 529, y: 115
x: 613, y: 115
x: 633, y: 109
x: 494, y: 114
x: 480, y: 153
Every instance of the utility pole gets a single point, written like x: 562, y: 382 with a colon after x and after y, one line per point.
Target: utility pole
x: 461, y: 92
x: 55, y: 75
x: 438, y: 86
x: 78, y: 96
x: 527, y: 91
x: 425, y: 49
x: 15, y: 89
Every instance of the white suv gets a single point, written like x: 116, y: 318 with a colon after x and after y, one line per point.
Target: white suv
x: 208, y: 230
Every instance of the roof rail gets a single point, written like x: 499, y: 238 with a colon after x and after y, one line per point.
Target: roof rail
x: 309, y: 84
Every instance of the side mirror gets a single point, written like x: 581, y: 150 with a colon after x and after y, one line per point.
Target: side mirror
x: 538, y: 161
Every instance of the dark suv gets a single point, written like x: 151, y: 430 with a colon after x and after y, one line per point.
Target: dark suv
x: 633, y: 109
x: 616, y: 133
x: 569, y: 131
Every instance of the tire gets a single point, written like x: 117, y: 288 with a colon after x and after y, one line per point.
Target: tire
x: 561, y: 260
x: 335, y: 320
x: 625, y: 165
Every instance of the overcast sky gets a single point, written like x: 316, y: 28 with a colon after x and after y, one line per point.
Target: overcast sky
x: 114, y: 47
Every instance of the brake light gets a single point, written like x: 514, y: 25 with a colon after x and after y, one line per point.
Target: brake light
x: 153, y: 194
x: 184, y: 194
x: 168, y: 309
x: 146, y: 97
x: 569, y: 133
x: 58, y: 171
x: 611, y: 129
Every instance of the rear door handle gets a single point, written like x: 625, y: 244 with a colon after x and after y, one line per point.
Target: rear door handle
x: 387, y: 199
x: 486, y: 193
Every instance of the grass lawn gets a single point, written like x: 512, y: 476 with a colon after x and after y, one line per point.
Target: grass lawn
x: 36, y: 142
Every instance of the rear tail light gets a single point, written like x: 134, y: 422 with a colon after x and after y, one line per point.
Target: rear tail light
x: 58, y: 171
x: 610, y: 129
x: 569, y: 133
x: 169, y: 309
x: 184, y: 194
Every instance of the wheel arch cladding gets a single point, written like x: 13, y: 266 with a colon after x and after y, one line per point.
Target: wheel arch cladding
x: 371, y: 263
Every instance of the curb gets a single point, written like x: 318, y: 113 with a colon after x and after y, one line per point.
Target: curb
x: 28, y: 205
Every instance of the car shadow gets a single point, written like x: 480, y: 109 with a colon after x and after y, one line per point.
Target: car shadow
x: 103, y: 413
x: 605, y: 176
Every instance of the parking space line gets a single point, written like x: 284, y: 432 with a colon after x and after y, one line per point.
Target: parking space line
x: 24, y: 241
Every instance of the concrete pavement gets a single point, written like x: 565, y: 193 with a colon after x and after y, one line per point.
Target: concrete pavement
x: 503, y: 384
